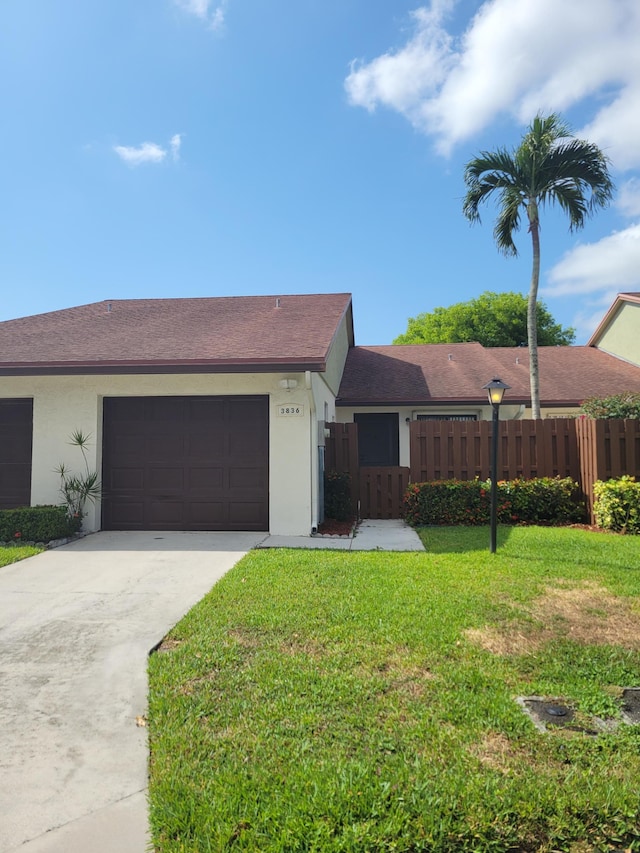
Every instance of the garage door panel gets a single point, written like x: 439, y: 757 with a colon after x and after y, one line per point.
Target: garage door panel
x: 206, y: 411
x: 162, y: 447
x: 246, y: 478
x: 16, y: 431
x: 207, y: 515
x: 186, y: 463
x: 244, y: 515
x: 131, y: 479
x: 206, y: 478
x: 128, y: 515
x: 164, y: 409
x: 131, y: 446
x: 165, y: 480
x: 205, y: 446
x: 166, y: 513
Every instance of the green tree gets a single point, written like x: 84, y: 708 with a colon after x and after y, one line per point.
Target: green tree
x: 492, y: 319
x: 550, y: 166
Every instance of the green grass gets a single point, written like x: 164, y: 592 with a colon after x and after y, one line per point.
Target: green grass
x: 13, y: 553
x: 332, y: 701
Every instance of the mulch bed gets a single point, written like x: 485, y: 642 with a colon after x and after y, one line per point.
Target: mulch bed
x: 332, y: 527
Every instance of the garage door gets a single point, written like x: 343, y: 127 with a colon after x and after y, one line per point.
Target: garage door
x: 185, y: 463
x: 16, y: 430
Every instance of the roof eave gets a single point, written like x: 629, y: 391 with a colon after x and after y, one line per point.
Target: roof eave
x: 114, y: 367
x: 432, y: 401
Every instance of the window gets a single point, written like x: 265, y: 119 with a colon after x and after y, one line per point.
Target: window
x: 446, y: 417
x: 378, y: 439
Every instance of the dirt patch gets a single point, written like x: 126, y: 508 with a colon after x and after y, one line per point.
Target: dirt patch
x: 497, y: 752
x: 168, y: 645
x: 297, y: 645
x: 246, y: 639
x: 587, y: 613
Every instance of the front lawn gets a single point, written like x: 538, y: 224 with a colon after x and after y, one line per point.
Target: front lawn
x: 333, y: 701
x: 13, y: 553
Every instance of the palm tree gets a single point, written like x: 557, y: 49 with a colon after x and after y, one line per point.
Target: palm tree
x: 549, y: 166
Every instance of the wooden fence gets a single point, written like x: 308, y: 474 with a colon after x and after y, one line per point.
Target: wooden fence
x: 584, y: 449
x: 606, y: 449
x: 446, y: 450
x: 341, y: 454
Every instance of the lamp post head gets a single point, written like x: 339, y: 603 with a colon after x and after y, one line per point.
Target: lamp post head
x: 495, y: 391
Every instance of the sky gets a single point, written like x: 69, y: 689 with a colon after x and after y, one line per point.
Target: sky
x: 169, y: 148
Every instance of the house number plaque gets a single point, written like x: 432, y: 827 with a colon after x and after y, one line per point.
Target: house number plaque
x: 291, y: 410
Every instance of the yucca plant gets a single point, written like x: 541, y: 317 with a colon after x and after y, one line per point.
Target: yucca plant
x: 77, y: 489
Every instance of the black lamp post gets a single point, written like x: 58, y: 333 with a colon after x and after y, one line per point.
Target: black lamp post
x: 495, y: 390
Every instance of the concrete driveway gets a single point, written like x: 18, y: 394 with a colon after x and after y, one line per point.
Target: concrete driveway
x: 76, y: 626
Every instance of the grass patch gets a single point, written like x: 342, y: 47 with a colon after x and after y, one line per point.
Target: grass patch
x: 332, y: 701
x: 13, y: 553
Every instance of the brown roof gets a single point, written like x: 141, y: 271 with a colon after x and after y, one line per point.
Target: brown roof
x: 218, y: 334
x: 420, y: 374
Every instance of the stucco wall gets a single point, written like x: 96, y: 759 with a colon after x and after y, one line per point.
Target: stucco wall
x: 622, y: 334
x: 63, y: 404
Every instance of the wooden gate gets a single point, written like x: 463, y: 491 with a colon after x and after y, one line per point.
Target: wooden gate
x: 375, y: 492
x: 382, y: 491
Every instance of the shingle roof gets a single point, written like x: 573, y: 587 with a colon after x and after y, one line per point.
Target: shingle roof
x: 142, y: 335
x: 420, y: 374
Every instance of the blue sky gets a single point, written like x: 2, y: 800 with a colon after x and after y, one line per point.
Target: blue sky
x: 167, y: 148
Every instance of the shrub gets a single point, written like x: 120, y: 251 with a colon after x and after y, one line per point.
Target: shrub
x: 625, y: 405
x: 337, y: 495
x: 617, y: 504
x: 545, y: 499
x: 37, y: 524
x: 553, y: 500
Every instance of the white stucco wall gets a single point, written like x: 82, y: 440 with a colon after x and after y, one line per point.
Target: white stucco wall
x: 63, y: 404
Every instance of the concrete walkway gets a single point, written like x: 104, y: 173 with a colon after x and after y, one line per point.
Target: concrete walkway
x: 76, y: 627
x: 370, y: 535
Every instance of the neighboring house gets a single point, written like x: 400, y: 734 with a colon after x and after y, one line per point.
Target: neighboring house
x: 209, y: 414
x: 619, y: 331
x: 384, y: 388
x: 204, y: 413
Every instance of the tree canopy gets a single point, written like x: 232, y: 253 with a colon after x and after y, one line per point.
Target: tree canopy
x: 492, y: 319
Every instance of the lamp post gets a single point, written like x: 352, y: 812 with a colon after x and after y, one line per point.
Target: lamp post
x: 495, y: 391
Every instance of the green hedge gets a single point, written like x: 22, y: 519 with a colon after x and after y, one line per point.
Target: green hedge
x: 337, y: 495
x: 37, y: 524
x: 545, y: 499
x: 617, y: 504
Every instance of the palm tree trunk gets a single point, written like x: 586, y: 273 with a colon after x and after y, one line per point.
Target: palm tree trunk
x: 532, y: 314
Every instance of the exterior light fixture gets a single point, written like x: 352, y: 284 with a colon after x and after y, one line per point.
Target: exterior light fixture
x: 288, y: 384
x: 495, y: 391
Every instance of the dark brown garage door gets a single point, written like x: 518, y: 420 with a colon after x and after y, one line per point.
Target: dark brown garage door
x: 16, y: 433
x: 186, y: 463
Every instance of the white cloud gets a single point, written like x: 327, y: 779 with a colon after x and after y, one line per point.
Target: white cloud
x: 610, y: 265
x: 148, y: 152
x: 174, y: 144
x: 628, y: 201
x: 213, y: 14
x: 514, y: 58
